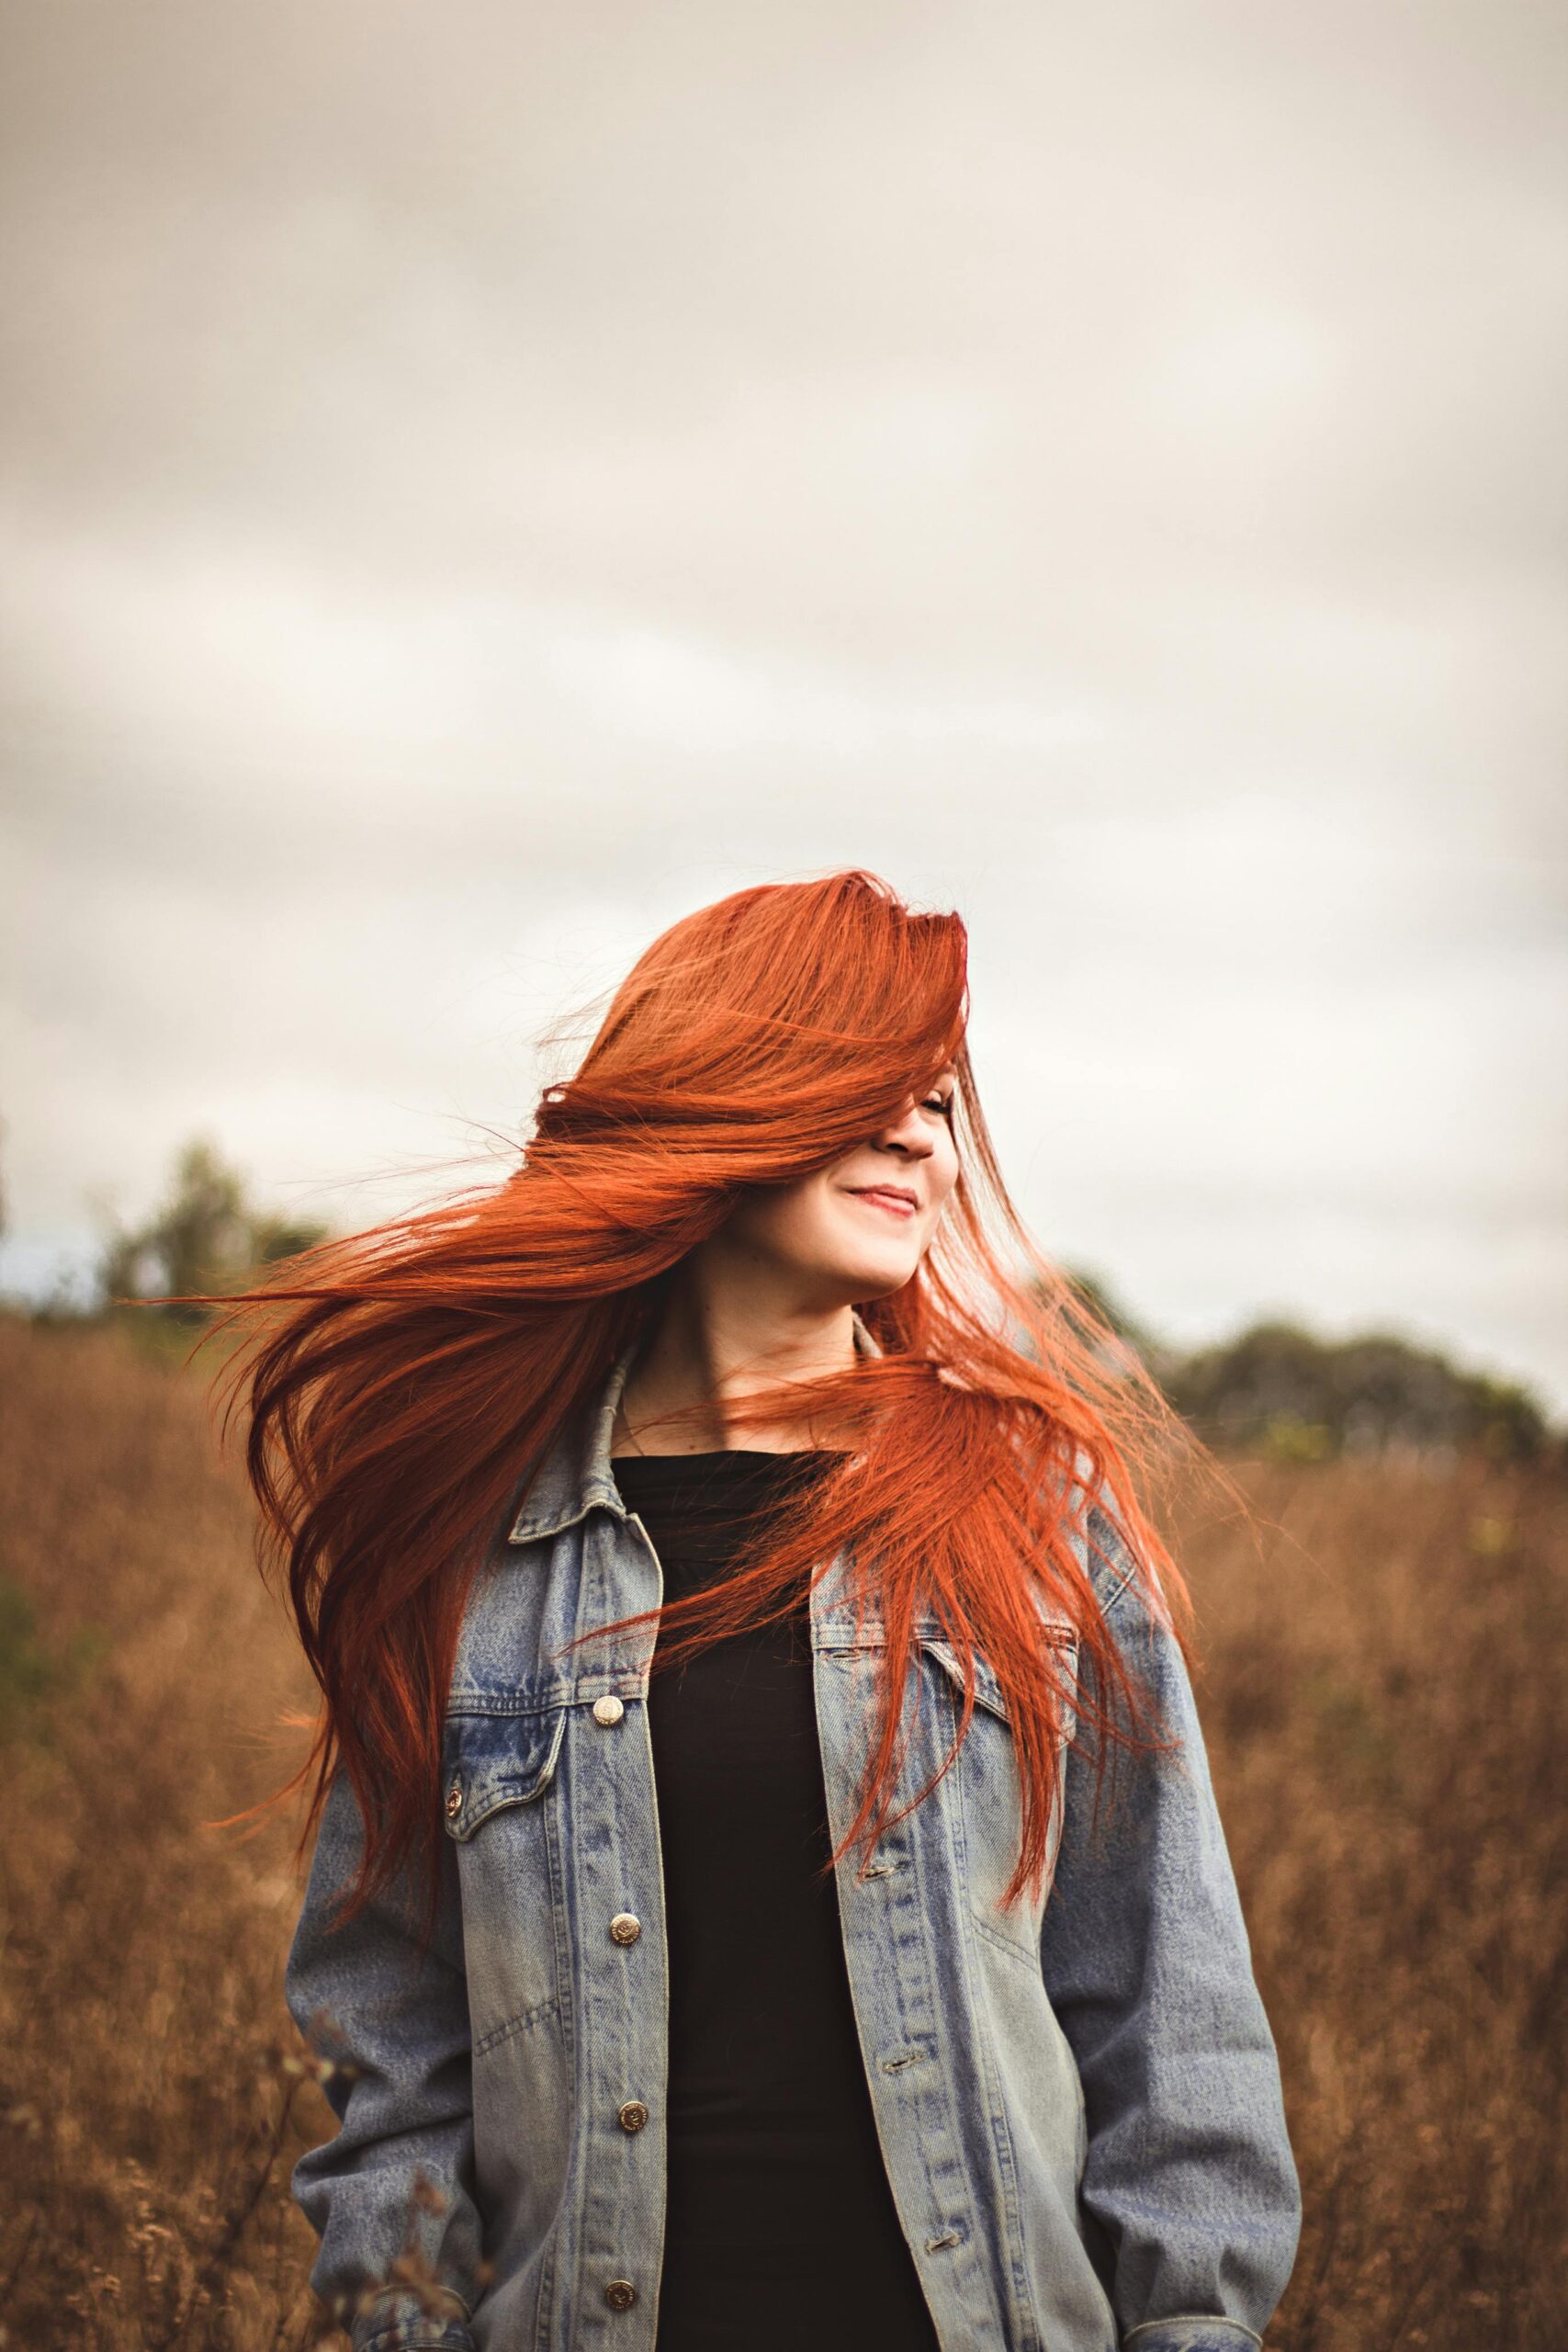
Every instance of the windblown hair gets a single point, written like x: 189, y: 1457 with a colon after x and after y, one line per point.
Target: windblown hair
x: 406, y: 1381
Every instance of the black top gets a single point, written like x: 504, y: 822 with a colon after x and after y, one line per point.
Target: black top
x: 779, y: 2229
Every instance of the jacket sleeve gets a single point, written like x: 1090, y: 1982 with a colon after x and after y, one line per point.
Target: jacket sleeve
x: 1189, y: 2171
x: 391, y: 2197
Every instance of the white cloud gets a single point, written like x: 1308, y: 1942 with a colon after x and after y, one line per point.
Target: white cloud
x: 465, y: 505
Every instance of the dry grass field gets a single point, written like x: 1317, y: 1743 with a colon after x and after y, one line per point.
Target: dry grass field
x: 1382, y: 1697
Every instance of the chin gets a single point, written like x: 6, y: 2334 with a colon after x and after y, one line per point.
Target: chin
x: 876, y: 1278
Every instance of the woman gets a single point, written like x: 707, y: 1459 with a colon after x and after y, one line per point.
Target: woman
x: 718, y: 1552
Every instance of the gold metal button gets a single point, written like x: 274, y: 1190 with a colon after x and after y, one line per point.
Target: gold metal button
x: 625, y: 1927
x: 620, y: 2294
x: 631, y: 2115
x: 608, y: 1710
x: 454, y: 1802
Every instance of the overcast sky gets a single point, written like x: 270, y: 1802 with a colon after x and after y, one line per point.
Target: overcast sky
x: 481, y: 480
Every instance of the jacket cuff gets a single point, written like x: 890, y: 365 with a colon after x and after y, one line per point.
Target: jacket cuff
x: 401, y: 2321
x: 1191, y: 2332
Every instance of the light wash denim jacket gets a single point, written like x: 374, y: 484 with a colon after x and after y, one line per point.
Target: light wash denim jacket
x: 1078, y: 2103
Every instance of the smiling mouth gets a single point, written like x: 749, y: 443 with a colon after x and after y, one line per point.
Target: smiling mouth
x: 879, y: 1196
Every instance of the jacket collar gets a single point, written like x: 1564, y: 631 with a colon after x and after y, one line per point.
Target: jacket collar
x: 575, y: 1477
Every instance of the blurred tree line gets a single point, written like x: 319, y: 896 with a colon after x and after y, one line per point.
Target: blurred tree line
x: 207, y: 1236
x: 1275, y: 1389
x: 1280, y: 1389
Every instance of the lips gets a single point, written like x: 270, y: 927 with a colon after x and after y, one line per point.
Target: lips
x: 891, y: 1198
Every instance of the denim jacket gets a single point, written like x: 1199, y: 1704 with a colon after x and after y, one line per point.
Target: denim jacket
x: 1078, y: 2103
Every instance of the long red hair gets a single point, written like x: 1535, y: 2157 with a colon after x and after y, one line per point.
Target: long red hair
x: 404, y: 1381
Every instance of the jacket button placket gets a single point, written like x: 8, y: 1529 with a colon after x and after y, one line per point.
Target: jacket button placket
x: 615, y: 1885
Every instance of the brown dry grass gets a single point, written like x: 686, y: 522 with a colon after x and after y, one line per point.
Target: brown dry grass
x: 1381, y: 1699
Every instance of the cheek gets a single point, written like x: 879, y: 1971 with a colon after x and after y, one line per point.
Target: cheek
x: 816, y: 1226
x: 802, y: 1229
x: 794, y: 1222
x: 944, y: 1168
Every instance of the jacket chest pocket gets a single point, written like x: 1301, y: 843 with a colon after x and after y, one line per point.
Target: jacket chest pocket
x: 1062, y: 1651
x: 986, y: 1783
x: 499, y: 1805
x: 491, y: 1761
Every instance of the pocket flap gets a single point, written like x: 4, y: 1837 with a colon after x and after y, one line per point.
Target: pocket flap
x: 842, y: 1636
x: 490, y: 1761
x: 989, y: 1692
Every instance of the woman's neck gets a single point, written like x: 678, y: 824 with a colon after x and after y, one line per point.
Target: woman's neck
x: 719, y: 1340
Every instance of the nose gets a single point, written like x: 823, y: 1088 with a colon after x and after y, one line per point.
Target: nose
x: 907, y: 1135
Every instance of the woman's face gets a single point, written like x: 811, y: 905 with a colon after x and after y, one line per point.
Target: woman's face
x: 857, y: 1230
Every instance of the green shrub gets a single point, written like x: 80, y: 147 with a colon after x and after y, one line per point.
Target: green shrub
x: 32, y: 1673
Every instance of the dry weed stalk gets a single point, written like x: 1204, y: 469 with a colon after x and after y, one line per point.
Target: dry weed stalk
x: 1381, y: 1699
